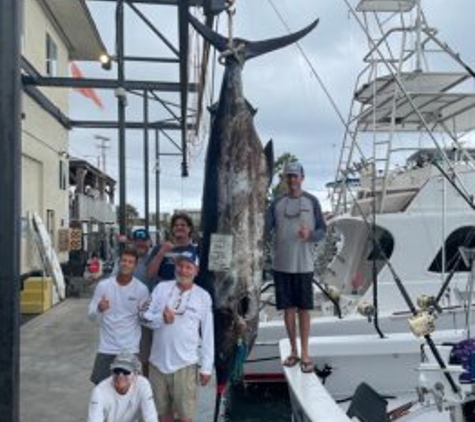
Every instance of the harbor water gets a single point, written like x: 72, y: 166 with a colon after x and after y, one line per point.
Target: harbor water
x: 253, y: 403
x: 259, y: 403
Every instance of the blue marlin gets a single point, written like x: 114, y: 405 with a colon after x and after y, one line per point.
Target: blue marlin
x: 238, y: 171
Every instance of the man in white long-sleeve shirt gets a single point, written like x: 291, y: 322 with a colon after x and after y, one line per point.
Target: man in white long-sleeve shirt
x: 124, y: 396
x: 115, y: 306
x: 181, y: 316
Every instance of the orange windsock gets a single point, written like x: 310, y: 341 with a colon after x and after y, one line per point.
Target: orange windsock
x: 87, y: 92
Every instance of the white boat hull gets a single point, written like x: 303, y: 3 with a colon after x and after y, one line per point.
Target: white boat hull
x: 389, y: 366
x: 263, y: 364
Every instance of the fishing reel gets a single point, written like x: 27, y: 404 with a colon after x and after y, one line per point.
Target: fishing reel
x: 366, y: 309
x: 422, y: 324
x: 428, y: 303
x: 334, y: 293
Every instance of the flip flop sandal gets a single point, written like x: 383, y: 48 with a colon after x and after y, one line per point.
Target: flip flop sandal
x: 291, y: 361
x: 306, y: 367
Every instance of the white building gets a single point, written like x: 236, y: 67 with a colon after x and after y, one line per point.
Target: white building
x: 55, y: 32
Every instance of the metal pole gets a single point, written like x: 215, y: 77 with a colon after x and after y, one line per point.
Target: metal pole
x: 121, y: 105
x: 10, y: 208
x: 145, y: 158
x: 418, y: 37
x: 157, y: 183
x: 183, y: 32
x: 471, y: 280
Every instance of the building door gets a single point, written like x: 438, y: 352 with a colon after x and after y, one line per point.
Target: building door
x: 32, y: 201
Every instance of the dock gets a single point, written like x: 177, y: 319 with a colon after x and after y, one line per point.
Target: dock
x: 57, y: 353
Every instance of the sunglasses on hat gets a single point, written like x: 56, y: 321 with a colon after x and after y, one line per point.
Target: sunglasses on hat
x: 121, y: 371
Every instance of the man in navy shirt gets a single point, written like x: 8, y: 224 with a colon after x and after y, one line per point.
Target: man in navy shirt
x: 161, y: 265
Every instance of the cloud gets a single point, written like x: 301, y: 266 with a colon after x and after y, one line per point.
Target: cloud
x: 292, y: 107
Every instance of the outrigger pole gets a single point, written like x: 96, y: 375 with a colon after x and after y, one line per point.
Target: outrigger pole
x: 10, y: 197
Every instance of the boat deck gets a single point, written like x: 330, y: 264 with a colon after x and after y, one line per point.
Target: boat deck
x: 312, y: 402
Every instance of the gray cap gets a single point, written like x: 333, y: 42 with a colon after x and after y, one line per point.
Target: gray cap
x: 126, y: 361
x: 294, y: 168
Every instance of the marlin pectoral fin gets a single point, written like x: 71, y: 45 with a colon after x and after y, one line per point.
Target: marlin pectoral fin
x: 257, y: 48
x: 269, y: 154
x: 218, y: 41
x: 252, y: 110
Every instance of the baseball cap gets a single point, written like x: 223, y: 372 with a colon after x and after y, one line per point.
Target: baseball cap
x: 189, y: 255
x: 126, y: 361
x: 140, y: 234
x: 294, y: 168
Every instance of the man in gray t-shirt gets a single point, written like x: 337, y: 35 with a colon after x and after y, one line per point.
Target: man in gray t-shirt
x: 297, y: 224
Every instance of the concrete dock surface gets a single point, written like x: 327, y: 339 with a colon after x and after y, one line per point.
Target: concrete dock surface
x: 57, y: 353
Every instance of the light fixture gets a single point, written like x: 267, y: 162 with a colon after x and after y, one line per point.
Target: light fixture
x: 106, y: 61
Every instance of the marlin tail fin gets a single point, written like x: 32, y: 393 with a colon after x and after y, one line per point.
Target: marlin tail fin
x: 253, y: 48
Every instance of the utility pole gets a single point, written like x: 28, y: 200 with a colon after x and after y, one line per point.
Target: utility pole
x: 10, y: 208
x: 146, y: 163
x: 103, y: 147
x: 121, y: 105
x: 157, y: 184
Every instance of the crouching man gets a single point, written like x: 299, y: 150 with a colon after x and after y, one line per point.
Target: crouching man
x: 125, y: 396
x: 181, y: 317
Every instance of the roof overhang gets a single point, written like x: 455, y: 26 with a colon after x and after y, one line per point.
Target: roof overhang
x: 75, y: 24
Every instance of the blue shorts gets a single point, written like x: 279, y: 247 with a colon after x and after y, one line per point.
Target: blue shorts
x: 293, y: 290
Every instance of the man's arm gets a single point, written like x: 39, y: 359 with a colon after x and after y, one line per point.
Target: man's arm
x: 207, y: 332
x: 152, y: 315
x: 147, y: 404
x: 156, y: 261
x: 144, y: 295
x: 93, y: 311
x: 97, y: 411
x: 318, y: 233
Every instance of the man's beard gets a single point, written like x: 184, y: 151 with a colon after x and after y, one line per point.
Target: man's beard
x: 183, y: 280
x: 126, y: 272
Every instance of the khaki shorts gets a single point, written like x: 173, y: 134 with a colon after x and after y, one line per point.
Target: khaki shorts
x: 175, y: 393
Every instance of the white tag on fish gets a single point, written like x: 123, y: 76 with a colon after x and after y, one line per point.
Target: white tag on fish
x: 220, y: 252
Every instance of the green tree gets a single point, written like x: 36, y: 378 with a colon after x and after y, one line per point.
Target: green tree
x: 131, y: 214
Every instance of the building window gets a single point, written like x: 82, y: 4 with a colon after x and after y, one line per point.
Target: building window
x: 51, y: 56
x: 63, y: 181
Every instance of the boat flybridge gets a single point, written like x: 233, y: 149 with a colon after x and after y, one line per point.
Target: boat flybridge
x: 402, y: 198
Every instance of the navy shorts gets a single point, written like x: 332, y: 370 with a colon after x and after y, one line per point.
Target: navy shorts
x: 102, y: 367
x: 293, y: 290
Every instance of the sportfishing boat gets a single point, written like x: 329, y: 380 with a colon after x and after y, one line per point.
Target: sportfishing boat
x: 382, y: 380
x: 402, y: 198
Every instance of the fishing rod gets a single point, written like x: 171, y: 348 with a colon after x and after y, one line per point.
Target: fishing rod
x: 405, y: 295
x: 329, y: 297
x: 376, y: 248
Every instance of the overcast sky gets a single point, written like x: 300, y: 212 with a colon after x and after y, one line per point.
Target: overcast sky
x: 292, y: 108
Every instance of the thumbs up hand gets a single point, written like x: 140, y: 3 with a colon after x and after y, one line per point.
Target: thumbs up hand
x: 104, y: 304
